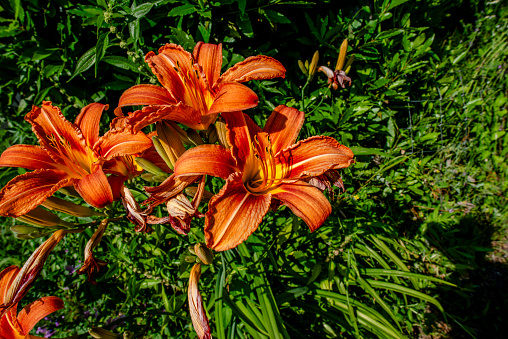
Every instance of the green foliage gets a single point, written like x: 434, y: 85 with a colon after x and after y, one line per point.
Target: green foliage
x: 425, y: 116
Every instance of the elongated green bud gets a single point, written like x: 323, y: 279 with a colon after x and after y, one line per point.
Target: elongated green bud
x: 204, y: 253
x: 158, y: 147
x: 39, y: 217
x: 302, y: 67
x: 313, y: 65
x: 149, y: 166
x: 194, y: 137
x: 67, y: 207
x: 222, y: 132
x: 347, y: 68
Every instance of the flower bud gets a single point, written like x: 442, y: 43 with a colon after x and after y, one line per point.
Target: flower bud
x: 212, y: 134
x: 39, y: 217
x: 197, y: 311
x: 313, y: 65
x: 170, y: 141
x: 67, y: 207
x: 222, y: 132
x: 100, y: 333
x: 194, y: 137
x: 204, y: 253
x: 160, y: 149
x: 28, y: 232
x: 302, y: 67
x: 149, y: 166
x: 342, y: 56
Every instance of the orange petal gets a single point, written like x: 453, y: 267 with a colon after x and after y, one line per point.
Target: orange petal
x: 31, y: 314
x: 315, y: 155
x: 306, y: 201
x: 209, y: 56
x: 171, y: 58
x: 121, y: 142
x: 283, y: 126
x: 232, y: 97
x: 9, y: 326
x: 259, y: 67
x: 233, y: 214
x: 7, y: 276
x: 196, y: 309
x: 94, y: 189
x: 25, y: 192
x: 49, y: 123
x: 150, y: 114
x: 146, y: 95
x: 241, y: 132
x: 89, y: 120
x: 27, y: 156
x: 211, y: 160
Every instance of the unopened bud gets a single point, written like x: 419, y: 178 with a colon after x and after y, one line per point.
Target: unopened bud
x: 212, y: 134
x: 349, y: 62
x: 67, y: 207
x: 204, y: 253
x: 222, y: 132
x: 342, y: 56
x: 28, y: 232
x: 100, y: 333
x: 194, y: 137
x: 39, y: 217
x: 170, y: 141
x: 149, y: 166
x: 160, y: 149
x: 190, y: 259
x: 302, y: 67
x: 313, y: 65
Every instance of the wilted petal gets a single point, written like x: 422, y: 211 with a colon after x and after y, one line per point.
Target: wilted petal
x: 328, y: 72
x: 196, y: 309
x: 209, y: 57
x: 233, y: 214
x: 92, y: 266
x: 259, y: 67
x: 36, y: 311
x: 316, y: 155
x: 27, y: 156
x: 134, y: 212
x: 168, y: 189
x: 146, y: 95
x: 283, y: 126
x: 233, y: 96
x: 94, y: 188
x: 88, y: 121
x: 212, y: 160
x: 25, y: 192
x: 306, y: 201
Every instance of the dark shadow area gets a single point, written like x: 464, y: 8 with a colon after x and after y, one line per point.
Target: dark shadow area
x: 478, y: 306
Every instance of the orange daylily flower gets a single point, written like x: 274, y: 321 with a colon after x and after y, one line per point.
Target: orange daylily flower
x: 260, y: 165
x: 69, y: 154
x: 18, y: 326
x: 20, y: 282
x: 193, y: 91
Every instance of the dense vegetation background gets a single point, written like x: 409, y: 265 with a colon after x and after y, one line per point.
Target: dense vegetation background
x: 425, y: 114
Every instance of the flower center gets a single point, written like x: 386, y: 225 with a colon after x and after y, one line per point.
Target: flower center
x: 197, y: 94
x: 77, y: 164
x: 263, y: 171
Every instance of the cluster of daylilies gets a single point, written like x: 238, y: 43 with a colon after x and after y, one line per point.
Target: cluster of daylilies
x: 200, y: 129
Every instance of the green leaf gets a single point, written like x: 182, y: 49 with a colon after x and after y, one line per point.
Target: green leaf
x: 276, y: 17
x: 357, y: 150
x: 241, y: 6
x: 395, y: 3
x: 84, y: 63
x: 459, y: 57
x: 120, y: 62
x: 100, y: 49
x: 182, y: 10
x: 134, y: 31
x: 142, y: 10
